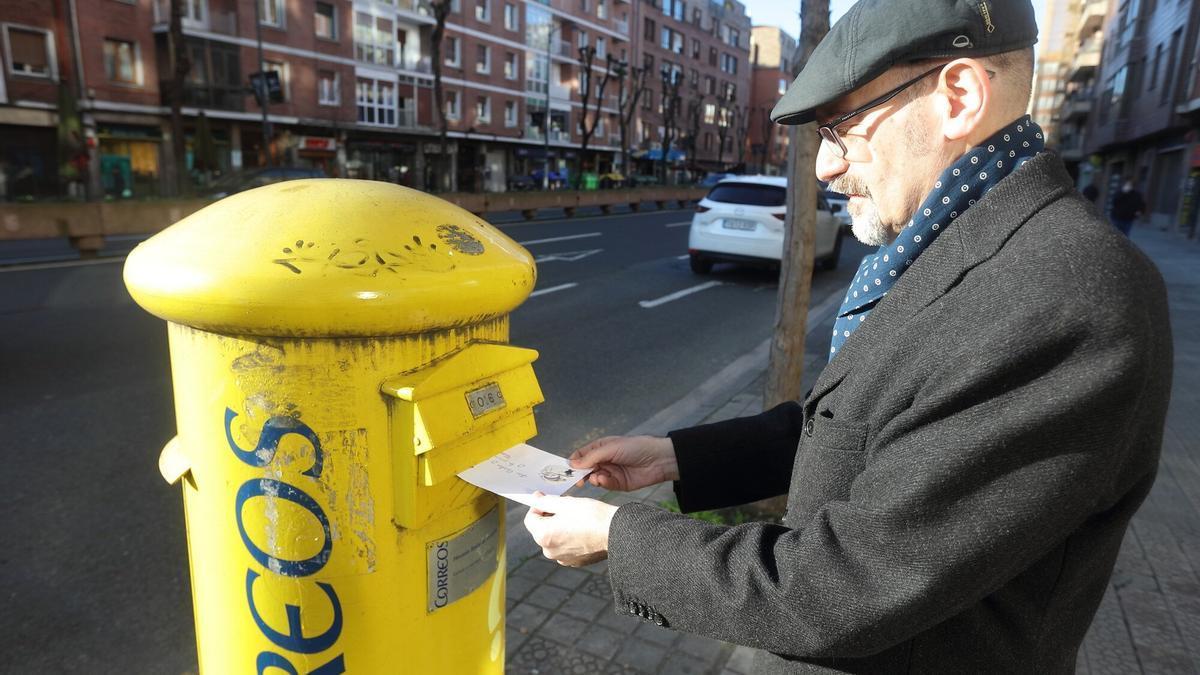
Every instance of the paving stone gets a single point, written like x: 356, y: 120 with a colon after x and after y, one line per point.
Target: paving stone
x: 682, y: 664
x: 598, y: 587
x: 518, y: 587
x: 549, y: 597
x: 563, y: 629
x: 526, y: 617
x: 1150, y: 622
x: 1157, y: 662
x: 568, y: 578
x: 585, y: 607
x: 655, y: 634
x: 741, y: 660
x: 1108, y: 644
x: 539, y: 656
x: 641, y: 655
x: 705, y: 649
x: 622, y: 623
x: 600, y: 641
x: 513, y: 638
x: 537, y: 568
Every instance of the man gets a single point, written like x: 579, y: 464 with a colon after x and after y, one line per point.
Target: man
x: 961, y: 475
x: 1127, y: 207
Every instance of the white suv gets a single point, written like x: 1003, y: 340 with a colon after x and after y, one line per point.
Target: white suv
x: 742, y: 220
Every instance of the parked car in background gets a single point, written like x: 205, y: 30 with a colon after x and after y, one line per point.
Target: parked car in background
x: 247, y: 179
x: 712, y: 179
x: 521, y: 184
x: 838, y: 203
x: 742, y: 220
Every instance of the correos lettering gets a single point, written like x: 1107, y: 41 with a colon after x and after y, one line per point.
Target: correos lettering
x: 294, y: 640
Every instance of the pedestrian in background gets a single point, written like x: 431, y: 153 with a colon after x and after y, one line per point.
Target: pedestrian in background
x: 1127, y: 207
x: 962, y: 474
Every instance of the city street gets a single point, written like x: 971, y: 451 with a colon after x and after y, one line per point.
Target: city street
x: 94, y: 552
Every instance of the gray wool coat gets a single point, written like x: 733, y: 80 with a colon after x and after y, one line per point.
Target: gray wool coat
x: 960, y: 477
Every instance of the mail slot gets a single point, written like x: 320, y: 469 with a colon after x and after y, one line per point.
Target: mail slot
x: 339, y: 351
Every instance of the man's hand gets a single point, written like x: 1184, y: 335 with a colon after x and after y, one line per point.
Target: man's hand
x: 571, y: 531
x: 627, y: 463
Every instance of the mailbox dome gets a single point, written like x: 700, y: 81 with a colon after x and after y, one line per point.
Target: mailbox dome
x: 329, y: 257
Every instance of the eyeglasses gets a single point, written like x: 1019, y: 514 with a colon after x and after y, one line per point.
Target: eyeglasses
x: 828, y: 131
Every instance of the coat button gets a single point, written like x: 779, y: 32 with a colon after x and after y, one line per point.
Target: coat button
x: 808, y: 427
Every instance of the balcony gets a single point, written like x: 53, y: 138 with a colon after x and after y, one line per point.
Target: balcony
x: 1070, y: 148
x: 565, y: 49
x: 622, y: 27
x: 556, y: 135
x: 1086, y: 60
x: 1091, y: 16
x: 417, y: 11
x: 1077, y: 106
x: 417, y: 65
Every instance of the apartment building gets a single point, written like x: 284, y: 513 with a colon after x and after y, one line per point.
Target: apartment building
x: 771, y: 53
x: 1143, y: 124
x: 698, y: 56
x: 1055, y: 50
x: 356, y: 83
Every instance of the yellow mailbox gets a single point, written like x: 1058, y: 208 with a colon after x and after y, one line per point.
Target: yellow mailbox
x: 339, y: 353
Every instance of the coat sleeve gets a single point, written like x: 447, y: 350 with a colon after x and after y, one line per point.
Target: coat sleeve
x: 1011, y: 444
x: 737, y: 461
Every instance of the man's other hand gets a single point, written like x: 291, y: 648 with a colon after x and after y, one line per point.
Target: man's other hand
x: 571, y: 531
x: 627, y: 463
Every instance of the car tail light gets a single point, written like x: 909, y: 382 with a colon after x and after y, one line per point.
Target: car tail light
x: 781, y: 216
x: 701, y: 209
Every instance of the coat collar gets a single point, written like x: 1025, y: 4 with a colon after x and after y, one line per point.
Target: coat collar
x: 975, y: 236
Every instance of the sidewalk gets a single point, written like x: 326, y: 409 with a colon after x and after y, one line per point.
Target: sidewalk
x: 561, y: 620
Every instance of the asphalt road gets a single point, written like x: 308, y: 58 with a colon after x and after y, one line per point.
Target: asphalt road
x: 93, y: 559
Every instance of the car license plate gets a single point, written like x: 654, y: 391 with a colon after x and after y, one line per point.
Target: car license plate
x: 735, y: 224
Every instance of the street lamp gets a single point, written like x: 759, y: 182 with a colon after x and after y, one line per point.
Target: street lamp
x: 546, y: 122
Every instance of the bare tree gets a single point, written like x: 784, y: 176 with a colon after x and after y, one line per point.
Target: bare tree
x: 671, y: 79
x: 587, y: 56
x: 631, y: 84
x: 741, y: 127
x: 444, y: 173
x: 724, y: 128
x: 695, y: 108
x: 786, y: 370
x: 768, y: 138
x: 180, y: 65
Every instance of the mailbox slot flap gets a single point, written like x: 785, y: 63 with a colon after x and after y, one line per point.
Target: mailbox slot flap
x: 468, y: 406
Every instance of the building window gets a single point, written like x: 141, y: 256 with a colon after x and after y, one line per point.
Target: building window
x: 325, y: 21
x: 728, y: 63
x: 650, y: 30
x: 452, y: 111
x: 710, y: 113
x: 483, y: 59
x: 710, y: 85
x: 373, y: 39
x: 602, y: 9
x: 121, y: 62
x: 483, y: 10
x: 1168, y: 83
x: 328, y: 87
x: 583, y: 38
x: 272, y: 13
x: 453, y: 52
x: 510, y: 16
x: 712, y: 56
x: 694, y: 78
x: 510, y: 66
x: 284, y: 76
x: 601, y: 48
x: 695, y: 48
x: 510, y: 114
x: 671, y: 40
x: 708, y: 141
x: 30, y: 51
x: 483, y: 110
x: 376, y: 101
x: 675, y: 9
x: 648, y: 100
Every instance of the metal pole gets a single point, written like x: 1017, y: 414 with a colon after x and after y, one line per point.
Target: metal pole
x: 546, y: 122
x: 263, y: 94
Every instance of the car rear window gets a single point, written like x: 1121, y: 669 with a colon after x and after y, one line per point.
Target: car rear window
x: 750, y: 194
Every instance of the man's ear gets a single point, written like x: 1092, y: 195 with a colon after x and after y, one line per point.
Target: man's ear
x: 963, y: 97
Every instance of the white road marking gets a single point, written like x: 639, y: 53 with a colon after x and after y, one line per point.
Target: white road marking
x: 553, y: 239
x: 686, y: 222
x: 567, y: 256
x: 552, y: 289
x: 683, y: 257
x: 649, y: 304
x: 28, y: 267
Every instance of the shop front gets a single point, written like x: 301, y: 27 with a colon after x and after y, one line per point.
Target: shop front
x: 130, y: 160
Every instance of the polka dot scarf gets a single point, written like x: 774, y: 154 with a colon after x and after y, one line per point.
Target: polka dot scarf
x: 957, y: 189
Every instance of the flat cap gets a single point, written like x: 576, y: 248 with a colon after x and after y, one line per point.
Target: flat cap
x: 878, y: 34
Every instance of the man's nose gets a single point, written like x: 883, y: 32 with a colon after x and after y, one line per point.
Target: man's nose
x: 829, y: 165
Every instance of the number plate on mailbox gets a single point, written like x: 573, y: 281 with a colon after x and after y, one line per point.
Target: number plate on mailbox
x: 485, y: 399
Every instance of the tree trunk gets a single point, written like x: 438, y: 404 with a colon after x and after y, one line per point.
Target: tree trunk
x: 177, y: 53
x: 786, y: 370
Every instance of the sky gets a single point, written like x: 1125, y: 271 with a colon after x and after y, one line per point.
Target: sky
x: 786, y: 13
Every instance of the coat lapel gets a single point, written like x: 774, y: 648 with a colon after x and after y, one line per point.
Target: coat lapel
x: 974, y: 237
